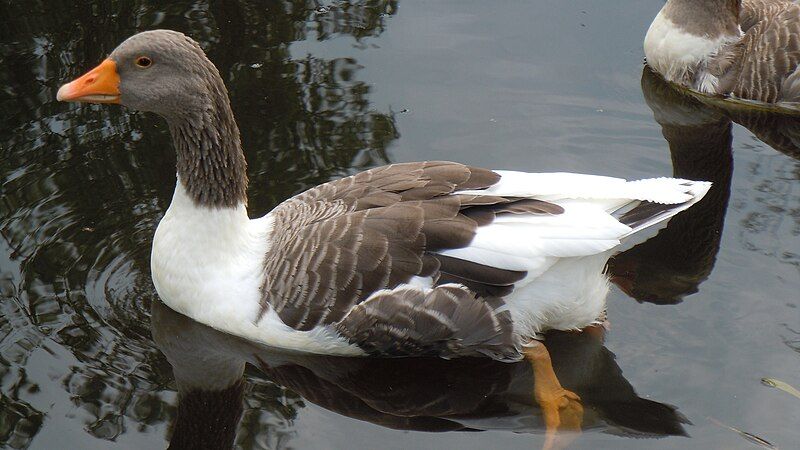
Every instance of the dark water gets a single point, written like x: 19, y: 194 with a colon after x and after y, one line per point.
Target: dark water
x: 325, y: 89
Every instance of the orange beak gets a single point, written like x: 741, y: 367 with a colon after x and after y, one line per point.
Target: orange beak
x: 99, y: 85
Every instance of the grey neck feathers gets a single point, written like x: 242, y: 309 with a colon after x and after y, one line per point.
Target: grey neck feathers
x: 709, y: 18
x: 210, y: 161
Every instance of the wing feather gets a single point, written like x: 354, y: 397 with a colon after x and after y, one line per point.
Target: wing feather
x: 336, y: 244
x: 763, y: 65
x: 356, y: 253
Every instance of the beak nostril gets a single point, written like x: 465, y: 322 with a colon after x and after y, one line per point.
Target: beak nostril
x: 90, y: 80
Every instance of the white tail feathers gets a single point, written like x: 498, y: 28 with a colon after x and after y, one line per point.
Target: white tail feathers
x: 647, y: 214
x: 598, y: 213
x: 559, y: 185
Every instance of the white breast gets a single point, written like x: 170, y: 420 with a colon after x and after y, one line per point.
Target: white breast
x: 205, y: 261
x: 681, y: 57
x: 208, y: 264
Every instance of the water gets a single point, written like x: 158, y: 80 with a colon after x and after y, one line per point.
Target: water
x: 322, y: 89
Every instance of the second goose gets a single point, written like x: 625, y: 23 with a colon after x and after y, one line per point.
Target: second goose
x: 748, y: 49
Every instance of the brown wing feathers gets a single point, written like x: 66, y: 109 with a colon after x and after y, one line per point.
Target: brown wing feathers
x: 778, y: 36
x: 448, y: 321
x: 338, y: 243
x: 758, y: 66
x: 754, y: 11
x: 484, y: 280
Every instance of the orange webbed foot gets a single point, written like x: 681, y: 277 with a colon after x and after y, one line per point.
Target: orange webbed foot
x: 562, y: 409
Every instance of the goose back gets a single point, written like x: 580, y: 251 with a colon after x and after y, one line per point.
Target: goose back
x: 754, y: 11
x: 692, y: 43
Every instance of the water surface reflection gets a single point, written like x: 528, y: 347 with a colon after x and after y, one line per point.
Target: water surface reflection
x: 672, y: 265
x: 83, y: 188
x: 430, y: 394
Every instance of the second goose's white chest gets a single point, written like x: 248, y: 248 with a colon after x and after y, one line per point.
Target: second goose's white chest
x: 680, y: 56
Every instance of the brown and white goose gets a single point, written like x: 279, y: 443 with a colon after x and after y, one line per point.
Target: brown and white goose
x: 748, y: 49
x: 425, y: 258
x: 415, y: 259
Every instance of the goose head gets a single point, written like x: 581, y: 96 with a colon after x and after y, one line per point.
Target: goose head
x: 160, y: 71
x: 166, y: 72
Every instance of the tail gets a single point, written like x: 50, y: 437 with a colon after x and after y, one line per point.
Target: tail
x: 639, y: 215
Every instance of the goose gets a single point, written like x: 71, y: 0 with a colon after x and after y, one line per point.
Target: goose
x: 428, y: 258
x: 746, y: 49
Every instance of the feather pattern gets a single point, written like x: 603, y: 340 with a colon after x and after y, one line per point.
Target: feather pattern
x: 769, y: 54
x: 446, y: 321
x: 755, y: 11
x: 427, y: 258
x: 341, y: 241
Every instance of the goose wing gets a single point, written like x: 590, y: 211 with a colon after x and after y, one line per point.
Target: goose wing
x: 752, y: 12
x: 336, y: 244
x: 416, y: 258
x: 763, y: 65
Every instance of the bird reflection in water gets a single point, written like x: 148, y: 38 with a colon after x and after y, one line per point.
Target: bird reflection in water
x: 423, y: 394
x: 666, y: 268
x: 670, y: 266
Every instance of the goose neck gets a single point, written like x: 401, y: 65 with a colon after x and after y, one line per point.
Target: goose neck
x: 711, y: 19
x: 209, y: 156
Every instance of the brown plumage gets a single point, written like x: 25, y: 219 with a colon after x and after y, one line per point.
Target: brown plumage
x: 357, y: 263
x: 752, y: 12
x: 446, y: 321
x: 765, y: 61
x: 338, y: 243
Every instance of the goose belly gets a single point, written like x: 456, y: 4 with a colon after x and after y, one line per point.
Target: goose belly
x: 570, y: 295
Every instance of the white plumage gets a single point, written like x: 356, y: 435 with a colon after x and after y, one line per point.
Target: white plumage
x: 565, y: 254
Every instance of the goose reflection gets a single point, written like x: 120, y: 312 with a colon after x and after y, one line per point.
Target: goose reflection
x: 429, y: 394
x: 671, y: 265
x: 698, y: 130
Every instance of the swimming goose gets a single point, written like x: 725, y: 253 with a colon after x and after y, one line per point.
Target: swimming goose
x: 423, y: 258
x: 748, y: 49
x: 407, y: 259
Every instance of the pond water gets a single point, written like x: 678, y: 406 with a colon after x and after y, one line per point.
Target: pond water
x: 323, y: 89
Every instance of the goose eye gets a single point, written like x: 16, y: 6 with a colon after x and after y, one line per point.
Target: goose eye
x: 143, y: 61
